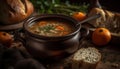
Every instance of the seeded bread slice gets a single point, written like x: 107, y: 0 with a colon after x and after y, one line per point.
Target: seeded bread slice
x: 86, y: 58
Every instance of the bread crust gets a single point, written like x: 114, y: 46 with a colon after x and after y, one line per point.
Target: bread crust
x: 86, y: 58
x: 14, y: 11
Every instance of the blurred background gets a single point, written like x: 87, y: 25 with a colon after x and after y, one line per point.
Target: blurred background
x: 113, y: 5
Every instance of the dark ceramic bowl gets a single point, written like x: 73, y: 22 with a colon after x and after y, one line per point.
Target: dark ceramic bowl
x: 43, y: 47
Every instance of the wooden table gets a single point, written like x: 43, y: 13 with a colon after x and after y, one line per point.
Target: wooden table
x: 110, y: 57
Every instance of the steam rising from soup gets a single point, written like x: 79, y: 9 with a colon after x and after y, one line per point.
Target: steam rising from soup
x: 51, y: 28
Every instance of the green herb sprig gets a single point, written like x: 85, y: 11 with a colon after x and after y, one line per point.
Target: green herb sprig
x: 58, y: 7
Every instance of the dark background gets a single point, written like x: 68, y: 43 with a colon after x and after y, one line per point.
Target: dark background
x: 112, y: 5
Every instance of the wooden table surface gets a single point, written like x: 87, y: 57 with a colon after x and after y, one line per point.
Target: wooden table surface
x: 110, y: 57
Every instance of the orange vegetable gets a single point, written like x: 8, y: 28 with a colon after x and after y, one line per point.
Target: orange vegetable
x: 65, y: 32
x: 42, y: 23
x: 60, y: 28
x: 6, y: 39
x: 79, y: 16
x: 101, y: 36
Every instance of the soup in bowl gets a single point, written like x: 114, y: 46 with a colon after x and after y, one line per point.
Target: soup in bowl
x: 52, y: 36
x: 51, y: 28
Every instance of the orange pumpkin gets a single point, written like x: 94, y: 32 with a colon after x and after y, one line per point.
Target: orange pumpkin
x: 79, y: 16
x: 101, y: 36
x: 6, y: 39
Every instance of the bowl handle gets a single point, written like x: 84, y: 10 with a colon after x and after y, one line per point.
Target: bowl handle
x: 19, y: 36
x: 84, y: 32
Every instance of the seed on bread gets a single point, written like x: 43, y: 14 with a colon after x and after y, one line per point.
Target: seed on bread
x: 86, y: 58
x: 90, y: 55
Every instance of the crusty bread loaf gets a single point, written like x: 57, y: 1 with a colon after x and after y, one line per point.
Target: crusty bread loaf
x: 108, y: 19
x: 86, y: 58
x: 99, y: 21
x: 14, y: 11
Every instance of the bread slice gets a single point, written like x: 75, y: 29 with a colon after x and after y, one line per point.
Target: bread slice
x: 86, y: 58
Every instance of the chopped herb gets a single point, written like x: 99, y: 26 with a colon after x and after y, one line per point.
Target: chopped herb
x: 47, y: 28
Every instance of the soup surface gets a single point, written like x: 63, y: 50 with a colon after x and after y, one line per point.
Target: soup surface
x: 51, y: 28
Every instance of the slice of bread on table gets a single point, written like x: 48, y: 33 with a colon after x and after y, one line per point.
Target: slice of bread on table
x: 85, y: 58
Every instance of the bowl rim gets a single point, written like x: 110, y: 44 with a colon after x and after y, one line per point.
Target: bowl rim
x: 36, y: 17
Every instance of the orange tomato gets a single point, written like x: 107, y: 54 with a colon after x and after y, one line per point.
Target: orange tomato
x: 79, y: 16
x: 101, y: 36
x: 6, y: 39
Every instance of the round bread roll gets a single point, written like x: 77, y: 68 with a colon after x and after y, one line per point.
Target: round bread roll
x: 14, y: 11
x: 86, y: 58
